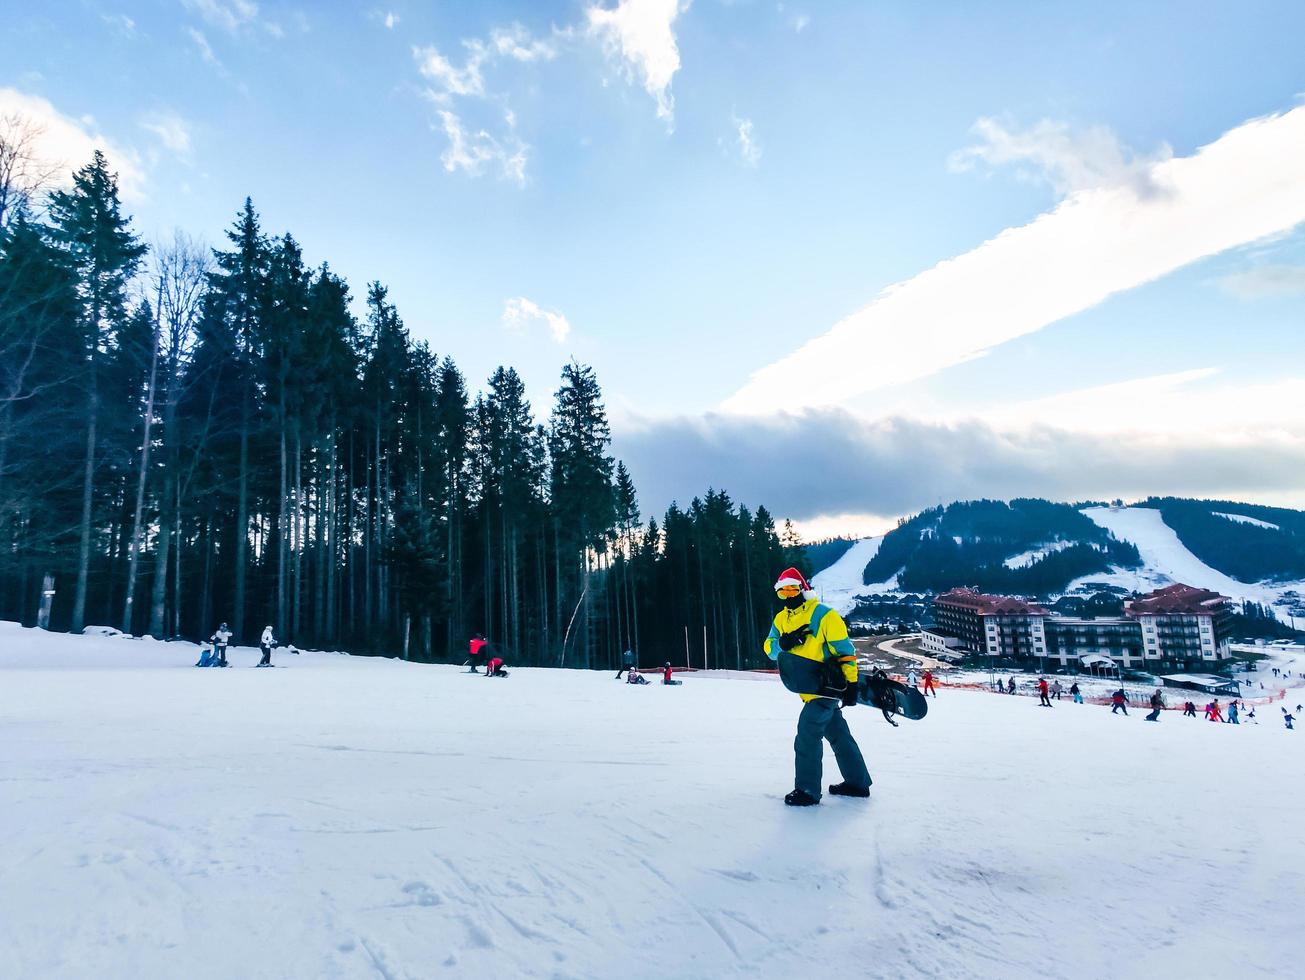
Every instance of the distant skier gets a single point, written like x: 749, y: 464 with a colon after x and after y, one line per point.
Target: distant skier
x: 910, y: 677
x: 477, y: 650
x: 667, y: 671
x: 634, y: 677
x: 1157, y: 705
x: 1056, y: 690
x: 1250, y: 715
x: 1287, y: 720
x: 1232, y: 713
x: 1213, y: 711
x: 1075, y: 693
x: 267, y: 643
x: 220, y: 638
x: 1119, y: 702
x: 809, y: 642
x: 627, y: 663
x: 1010, y: 685
x: 1043, y: 700
x: 928, y: 683
x: 1189, y: 710
x: 495, y: 668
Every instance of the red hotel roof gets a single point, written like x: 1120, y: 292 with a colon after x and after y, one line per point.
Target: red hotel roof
x: 1177, y: 599
x: 990, y: 605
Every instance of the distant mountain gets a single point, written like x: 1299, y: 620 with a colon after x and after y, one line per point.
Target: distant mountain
x: 1045, y: 549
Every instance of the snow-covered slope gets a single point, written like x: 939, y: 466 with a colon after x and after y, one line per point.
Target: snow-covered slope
x: 840, y: 583
x: 1243, y: 519
x: 1166, y: 560
x: 346, y: 817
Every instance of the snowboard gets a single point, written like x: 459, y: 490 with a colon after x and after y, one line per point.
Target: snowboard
x: 891, y: 698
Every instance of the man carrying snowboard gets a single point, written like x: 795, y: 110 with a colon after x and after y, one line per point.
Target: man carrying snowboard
x: 808, y: 641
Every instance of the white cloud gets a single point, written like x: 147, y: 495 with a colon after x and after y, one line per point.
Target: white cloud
x: 640, y: 33
x: 229, y: 15
x: 172, y: 131
x: 746, y: 142
x: 391, y: 20
x: 517, y: 43
x: 1266, y: 281
x: 478, y: 151
x: 1099, y: 241
x: 121, y: 23
x: 520, y: 312
x: 1066, y: 159
x: 800, y: 22
x: 452, y: 80
x: 205, y: 49
x: 65, y: 144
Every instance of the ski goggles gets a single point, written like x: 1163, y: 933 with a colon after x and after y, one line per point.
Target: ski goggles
x: 788, y: 591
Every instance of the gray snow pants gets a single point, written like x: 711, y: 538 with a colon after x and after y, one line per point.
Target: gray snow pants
x: 823, y: 719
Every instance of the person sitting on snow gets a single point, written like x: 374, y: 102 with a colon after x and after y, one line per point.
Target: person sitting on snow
x: 495, y: 668
x: 627, y: 663
x: 634, y: 677
x: 666, y: 675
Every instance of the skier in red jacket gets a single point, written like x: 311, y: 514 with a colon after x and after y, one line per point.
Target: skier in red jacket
x: 495, y: 668
x: 666, y: 675
x: 1043, y: 700
x: 928, y: 683
x: 478, y: 649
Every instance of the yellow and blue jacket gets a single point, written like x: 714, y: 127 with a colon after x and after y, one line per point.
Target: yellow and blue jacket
x: 803, y: 669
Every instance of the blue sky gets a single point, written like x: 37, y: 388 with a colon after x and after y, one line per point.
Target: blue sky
x: 685, y: 194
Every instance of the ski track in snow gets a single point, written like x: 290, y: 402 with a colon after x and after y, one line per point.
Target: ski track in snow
x: 1166, y: 560
x: 351, y: 817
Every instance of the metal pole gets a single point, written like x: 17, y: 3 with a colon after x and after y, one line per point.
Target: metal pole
x: 686, y: 646
x: 704, y: 646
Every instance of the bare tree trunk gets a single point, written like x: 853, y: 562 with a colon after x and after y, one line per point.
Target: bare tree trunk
x: 88, y: 491
x: 133, y: 561
x: 242, y: 521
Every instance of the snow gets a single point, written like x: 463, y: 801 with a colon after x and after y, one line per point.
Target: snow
x: 840, y: 583
x: 1243, y: 519
x: 1025, y: 558
x: 350, y: 817
x: 1166, y: 560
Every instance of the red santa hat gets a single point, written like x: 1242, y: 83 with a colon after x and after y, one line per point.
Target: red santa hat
x: 791, y: 576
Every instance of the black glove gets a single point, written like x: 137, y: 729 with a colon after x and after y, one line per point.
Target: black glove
x: 787, y: 641
x: 849, y: 696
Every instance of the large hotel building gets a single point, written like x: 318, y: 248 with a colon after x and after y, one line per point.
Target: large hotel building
x: 1177, y: 627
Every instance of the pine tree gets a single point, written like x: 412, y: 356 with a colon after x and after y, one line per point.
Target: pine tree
x: 87, y: 222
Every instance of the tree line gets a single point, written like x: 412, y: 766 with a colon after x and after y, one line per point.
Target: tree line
x: 193, y: 435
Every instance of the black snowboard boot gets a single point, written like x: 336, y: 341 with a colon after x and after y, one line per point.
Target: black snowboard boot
x: 800, y: 798
x: 843, y: 789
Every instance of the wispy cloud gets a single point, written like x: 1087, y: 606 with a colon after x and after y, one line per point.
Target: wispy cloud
x: 229, y: 15
x: 639, y: 35
x: 476, y: 151
x: 1101, y: 240
x: 520, y: 312
x: 205, y: 49
x: 1266, y: 281
x: 63, y: 143
x: 171, y: 130
x: 120, y: 23
x: 745, y: 141
x: 1069, y: 160
x: 390, y: 20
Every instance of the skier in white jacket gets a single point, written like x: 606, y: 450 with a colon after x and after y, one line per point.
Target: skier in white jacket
x: 266, y: 644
